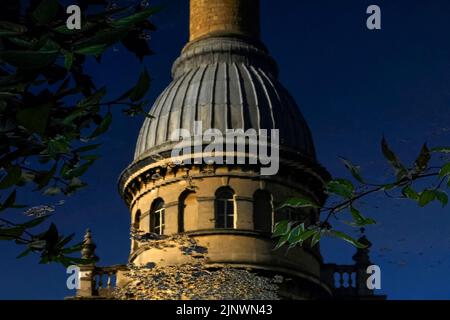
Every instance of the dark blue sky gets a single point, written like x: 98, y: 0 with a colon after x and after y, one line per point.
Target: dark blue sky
x: 353, y: 86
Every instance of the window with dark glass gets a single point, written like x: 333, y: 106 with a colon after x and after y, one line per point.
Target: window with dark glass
x: 262, y: 211
x: 137, y: 220
x: 157, y: 217
x: 224, y: 208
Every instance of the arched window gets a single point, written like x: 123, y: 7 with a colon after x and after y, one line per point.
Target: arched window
x: 181, y: 207
x: 262, y: 211
x: 187, y: 211
x: 137, y: 220
x: 136, y: 227
x: 224, y: 208
x: 157, y: 217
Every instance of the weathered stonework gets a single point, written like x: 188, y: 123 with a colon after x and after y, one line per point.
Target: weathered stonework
x: 224, y: 16
x: 226, y: 79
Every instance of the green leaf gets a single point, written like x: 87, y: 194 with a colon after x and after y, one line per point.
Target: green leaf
x: 51, y: 236
x: 424, y: 158
x: 282, y: 228
x: 141, y: 88
x: 11, y: 233
x: 347, y: 238
x: 79, y: 170
x: 445, y: 170
x: 29, y: 59
x: 441, y: 150
x: 87, y: 148
x: 90, y: 157
x: 85, y: 26
x: 66, y: 240
x: 8, y: 29
x: 359, y: 219
x: 6, y: 33
x: 13, y: 176
x: 93, y: 99
x: 298, y: 203
x: 44, y: 259
x: 302, y: 237
x: 426, y: 197
x: 24, y: 253
x: 57, y: 146
x: 76, y: 113
x: 68, y: 60
x: 21, y: 42
x: 103, y: 127
x: 65, y: 171
x: 295, y: 233
x: 10, y: 26
x: 136, y: 18
x: 43, y: 178
x: 45, y: 11
x: 410, y: 193
x: 341, y: 187
x: 442, y: 197
x: 75, y: 248
x: 75, y: 184
x: 354, y: 170
x: 316, y: 238
x: 50, y: 45
x: 137, y: 109
x: 35, y: 118
x: 104, y: 37
x: 282, y: 241
x: 33, y: 223
x: 52, y: 191
x: 38, y: 244
x: 9, y: 202
x: 94, y: 50
x: 389, y: 186
x: 393, y: 159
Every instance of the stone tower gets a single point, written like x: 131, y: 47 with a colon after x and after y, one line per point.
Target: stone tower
x: 225, y: 79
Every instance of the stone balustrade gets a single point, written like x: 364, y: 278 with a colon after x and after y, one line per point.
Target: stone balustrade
x: 99, y: 282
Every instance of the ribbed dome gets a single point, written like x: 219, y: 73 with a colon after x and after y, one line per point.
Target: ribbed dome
x: 226, y: 83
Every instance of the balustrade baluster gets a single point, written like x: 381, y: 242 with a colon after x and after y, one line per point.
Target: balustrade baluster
x: 350, y: 280
x: 341, y: 279
x: 100, y: 280
x: 110, y: 275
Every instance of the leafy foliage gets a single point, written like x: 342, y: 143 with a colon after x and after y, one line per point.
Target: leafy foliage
x: 345, y: 194
x: 50, y: 108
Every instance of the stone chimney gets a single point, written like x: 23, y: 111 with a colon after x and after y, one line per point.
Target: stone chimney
x: 224, y: 17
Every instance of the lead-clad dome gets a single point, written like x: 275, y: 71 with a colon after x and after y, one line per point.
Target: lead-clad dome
x: 227, y: 83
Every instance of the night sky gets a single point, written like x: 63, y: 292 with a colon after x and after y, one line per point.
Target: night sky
x: 352, y: 85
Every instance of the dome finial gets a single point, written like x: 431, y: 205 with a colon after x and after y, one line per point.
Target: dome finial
x: 88, y: 247
x: 362, y: 254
